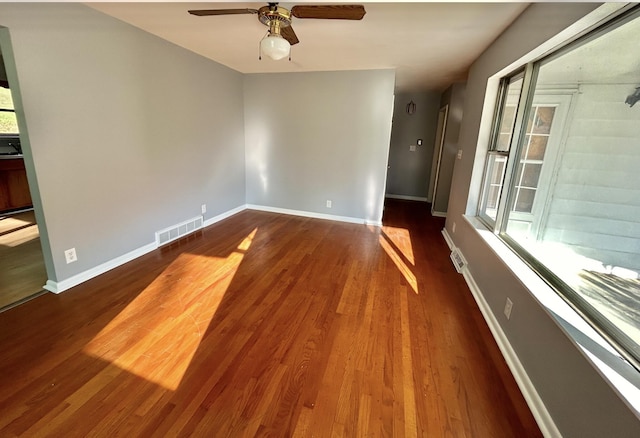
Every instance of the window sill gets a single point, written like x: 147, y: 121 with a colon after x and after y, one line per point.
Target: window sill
x: 616, y: 371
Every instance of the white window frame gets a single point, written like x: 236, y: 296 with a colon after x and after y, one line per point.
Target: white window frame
x: 494, y: 151
x: 605, y: 328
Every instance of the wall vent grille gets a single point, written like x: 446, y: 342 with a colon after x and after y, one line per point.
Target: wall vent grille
x: 458, y: 261
x: 179, y: 230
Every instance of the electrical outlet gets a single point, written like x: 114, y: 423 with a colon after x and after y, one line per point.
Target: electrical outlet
x: 203, y: 208
x: 328, y: 203
x: 412, y: 148
x: 453, y: 228
x: 507, y: 308
x: 70, y: 255
x: 459, y: 154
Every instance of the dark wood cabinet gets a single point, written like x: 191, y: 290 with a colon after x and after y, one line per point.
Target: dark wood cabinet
x: 14, y: 187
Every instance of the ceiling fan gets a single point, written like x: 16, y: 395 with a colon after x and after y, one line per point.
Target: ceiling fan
x: 280, y: 37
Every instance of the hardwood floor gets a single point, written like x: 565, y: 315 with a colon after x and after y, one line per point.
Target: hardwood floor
x: 265, y: 325
x: 22, y: 272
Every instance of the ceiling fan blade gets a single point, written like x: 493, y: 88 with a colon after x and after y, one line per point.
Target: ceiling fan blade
x: 332, y: 12
x: 289, y: 35
x: 205, y: 12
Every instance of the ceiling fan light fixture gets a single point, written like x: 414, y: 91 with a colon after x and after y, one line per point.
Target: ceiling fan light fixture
x: 275, y: 46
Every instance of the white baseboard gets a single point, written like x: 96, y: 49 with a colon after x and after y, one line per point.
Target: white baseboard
x: 314, y: 215
x: 538, y: 409
x: 407, y: 198
x: 224, y: 215
x: 438, y: 213
x: 448, y: 239
x: 61, y: 286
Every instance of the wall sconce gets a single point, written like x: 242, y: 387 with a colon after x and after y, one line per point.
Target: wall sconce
x: 411, y: 107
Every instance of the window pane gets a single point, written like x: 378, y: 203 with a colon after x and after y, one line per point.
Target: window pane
x: 6, y: 102
x: 530, y: 175
x: 492, y: 199
x: 496, y: 163
x: 503, y: 141
x: 496, y: 166
x: 537, y: 147
x: 575, y: 197
x: 508, y: 116
x: 8, y: 122
x: 543, y: 119
x: 524, y: 199
x: 530, y: 166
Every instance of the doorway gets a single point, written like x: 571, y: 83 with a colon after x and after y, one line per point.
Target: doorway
x: 437, y: 194
x: 437, y: 151
x: 22, y: 268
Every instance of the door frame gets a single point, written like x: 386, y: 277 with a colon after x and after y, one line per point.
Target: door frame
x: 441, y: 129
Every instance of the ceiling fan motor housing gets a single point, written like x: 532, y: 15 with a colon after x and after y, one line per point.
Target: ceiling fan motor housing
x: 275, y: 17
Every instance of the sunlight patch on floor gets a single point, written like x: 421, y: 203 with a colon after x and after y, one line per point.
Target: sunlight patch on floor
x: 401, y: 238
x: 10, y: 223
x: 398, y: 259
x: 160, y: 349
x: 20, y: 236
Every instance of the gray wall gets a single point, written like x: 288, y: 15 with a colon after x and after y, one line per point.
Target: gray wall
x: 127, y: 133
x: 580, y: 401
x: 409, y: 172
x: 311, y: 137
x: 454, y: 97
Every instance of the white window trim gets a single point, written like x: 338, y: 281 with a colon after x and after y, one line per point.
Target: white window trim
x: 621, y: 376
x: 591, y: 20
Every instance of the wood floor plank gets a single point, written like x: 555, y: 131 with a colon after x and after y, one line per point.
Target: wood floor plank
x: 265, y: 325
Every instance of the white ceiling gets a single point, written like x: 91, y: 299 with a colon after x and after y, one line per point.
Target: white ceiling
x: 431, y: 45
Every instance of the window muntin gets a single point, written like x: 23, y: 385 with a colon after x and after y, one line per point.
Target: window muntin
x: 572, y: 206
x: 532, y: 157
